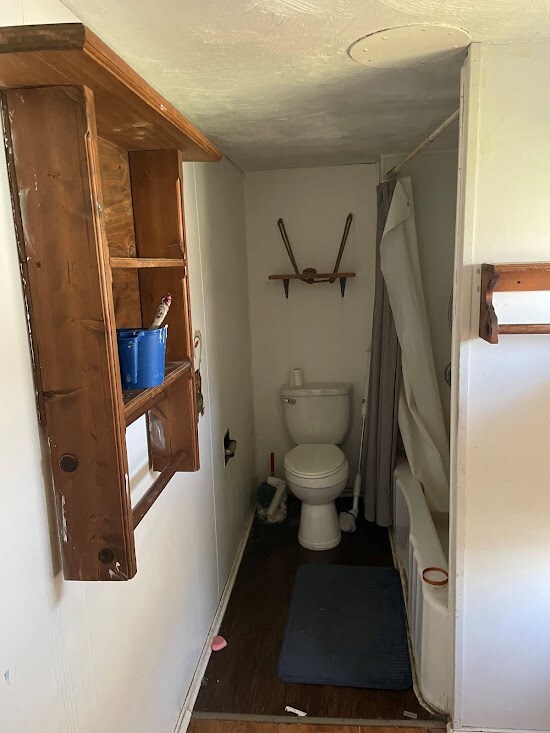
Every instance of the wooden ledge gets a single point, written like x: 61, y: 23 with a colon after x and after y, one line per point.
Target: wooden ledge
x: 309, y: 277
x: 314, y: 278
x: 129, y: 112
x: 132, y: 263
x: 139, y: 401
x: 525, y: 276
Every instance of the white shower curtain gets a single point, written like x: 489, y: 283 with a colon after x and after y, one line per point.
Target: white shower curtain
x: 421, y: 420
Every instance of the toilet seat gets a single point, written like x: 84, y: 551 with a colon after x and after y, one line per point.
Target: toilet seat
x: 315, y: 461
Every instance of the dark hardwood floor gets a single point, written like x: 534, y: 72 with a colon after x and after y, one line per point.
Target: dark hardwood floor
x: 242, y: 678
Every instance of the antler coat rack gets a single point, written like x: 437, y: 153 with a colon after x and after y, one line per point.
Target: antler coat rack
x: 310, y: 274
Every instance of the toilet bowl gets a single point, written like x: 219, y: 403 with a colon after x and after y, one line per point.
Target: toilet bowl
x: 317, y: 474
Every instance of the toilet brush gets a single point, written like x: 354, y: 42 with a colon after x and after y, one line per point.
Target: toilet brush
x: 348, y: 519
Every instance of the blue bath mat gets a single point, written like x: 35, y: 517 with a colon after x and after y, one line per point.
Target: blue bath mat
x: 346, y: 627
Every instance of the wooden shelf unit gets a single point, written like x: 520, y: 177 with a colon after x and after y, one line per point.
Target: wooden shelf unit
x: 528, y: 276
x: 95, y: 165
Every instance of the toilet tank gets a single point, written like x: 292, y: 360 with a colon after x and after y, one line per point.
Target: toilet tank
x: 318, y: 412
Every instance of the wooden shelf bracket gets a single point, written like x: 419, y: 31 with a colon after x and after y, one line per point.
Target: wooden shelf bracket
x: 313, y: 278
x: 525, y: 277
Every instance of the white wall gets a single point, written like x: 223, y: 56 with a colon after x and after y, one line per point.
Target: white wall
x: 501, y: 415
x: 434, y: 176
x: 220, y: 228
x: 315, y: 329
x: 104, y: 657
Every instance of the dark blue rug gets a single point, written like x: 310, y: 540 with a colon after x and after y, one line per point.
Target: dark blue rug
x: 346, y: 627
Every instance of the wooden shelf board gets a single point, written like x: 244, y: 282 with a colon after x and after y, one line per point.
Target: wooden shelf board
x: 129, y: 112
x: 317, y: 276
x: 524, y: 276
x: 524, y: 328
x: 138, y: 401
x: 131, y: 263
x: 155, y: 490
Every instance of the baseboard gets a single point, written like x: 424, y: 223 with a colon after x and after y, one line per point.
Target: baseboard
x: 187, y: 709
x: 312, y: 720
x: 473, y: 729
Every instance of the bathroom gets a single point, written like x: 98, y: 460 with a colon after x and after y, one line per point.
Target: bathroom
x: 213, y: 567
x: 327, y: 337
x: 304, y: 133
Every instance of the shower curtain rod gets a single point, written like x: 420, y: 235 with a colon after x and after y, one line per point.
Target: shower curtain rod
x: 424, y: 144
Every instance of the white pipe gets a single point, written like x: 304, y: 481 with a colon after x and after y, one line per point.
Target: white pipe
x: 357, y: 482
x: 424, y: 144
x: 348, y: 518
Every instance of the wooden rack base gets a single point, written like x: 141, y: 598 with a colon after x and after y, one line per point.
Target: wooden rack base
x: 313, y: 278
x: 531, y: 276
x: 155, y: 490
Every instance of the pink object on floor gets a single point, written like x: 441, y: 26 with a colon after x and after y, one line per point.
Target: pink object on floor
x: 218, y: 643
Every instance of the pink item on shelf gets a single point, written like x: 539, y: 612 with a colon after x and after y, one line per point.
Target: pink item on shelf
x: 218, y: 643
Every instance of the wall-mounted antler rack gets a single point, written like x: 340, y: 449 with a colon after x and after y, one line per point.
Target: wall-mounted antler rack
x: 529, y: 276
x: 310, y: 274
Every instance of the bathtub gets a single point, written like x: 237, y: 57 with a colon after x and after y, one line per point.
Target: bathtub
x: 418, y: 546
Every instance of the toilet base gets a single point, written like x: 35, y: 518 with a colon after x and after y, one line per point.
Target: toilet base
x: 319, y: 527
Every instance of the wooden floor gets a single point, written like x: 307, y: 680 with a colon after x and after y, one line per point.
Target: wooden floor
x: 249, y: 726
x: 242, y: 678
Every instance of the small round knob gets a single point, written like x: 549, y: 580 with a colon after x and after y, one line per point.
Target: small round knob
x: 106, y: 555
x: 68, y: 463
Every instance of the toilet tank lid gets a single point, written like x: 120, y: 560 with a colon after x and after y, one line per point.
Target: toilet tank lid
x: 316, y: 389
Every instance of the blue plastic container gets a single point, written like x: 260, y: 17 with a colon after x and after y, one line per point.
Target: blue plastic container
x: 142, y: 356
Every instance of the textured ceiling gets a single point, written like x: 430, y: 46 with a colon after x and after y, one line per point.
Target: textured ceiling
x: 271, y: 83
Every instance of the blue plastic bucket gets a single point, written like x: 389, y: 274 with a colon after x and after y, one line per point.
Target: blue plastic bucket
x: 142, y: 356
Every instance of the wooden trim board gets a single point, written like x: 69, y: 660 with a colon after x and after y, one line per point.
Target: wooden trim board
x: 203, y: 725
x: 286, y: 719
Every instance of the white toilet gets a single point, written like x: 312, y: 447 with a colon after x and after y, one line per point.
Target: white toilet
x: 317, y: 416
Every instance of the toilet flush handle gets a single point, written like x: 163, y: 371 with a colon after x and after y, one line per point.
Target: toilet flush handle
x: 290, y: 400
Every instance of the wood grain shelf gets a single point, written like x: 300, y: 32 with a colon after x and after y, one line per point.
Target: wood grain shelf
x: 139, y: 401
x: 129, y: 112
x: 525, y: 276
x: 311, y: 278
x: 132, y: 263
